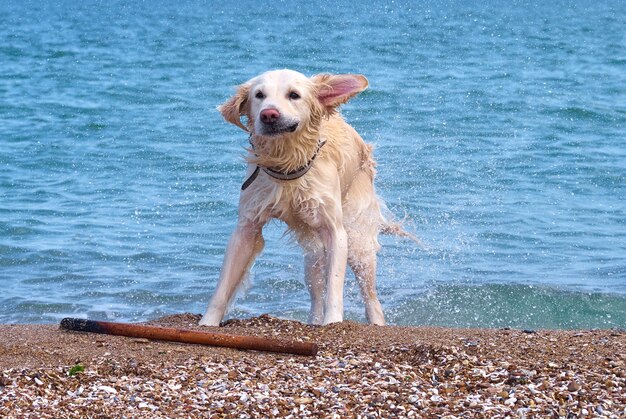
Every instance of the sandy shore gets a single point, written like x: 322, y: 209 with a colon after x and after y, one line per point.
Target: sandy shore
x: 360, y: 370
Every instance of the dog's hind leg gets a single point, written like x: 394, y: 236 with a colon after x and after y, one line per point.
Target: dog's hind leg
x: 362, y: 219
x: 362, y: 261
x: 245, y: 244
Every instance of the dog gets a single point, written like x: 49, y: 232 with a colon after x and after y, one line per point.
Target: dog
x: 310, y: 169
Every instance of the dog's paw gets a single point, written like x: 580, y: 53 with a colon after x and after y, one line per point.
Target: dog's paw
x: 208, y: 320
x: 316, y: 319
x: 328, y: 319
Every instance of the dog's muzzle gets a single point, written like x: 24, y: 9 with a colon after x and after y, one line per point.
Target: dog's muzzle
x: 273, y: 123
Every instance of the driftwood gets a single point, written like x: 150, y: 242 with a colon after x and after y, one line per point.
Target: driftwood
x: 190, y: 336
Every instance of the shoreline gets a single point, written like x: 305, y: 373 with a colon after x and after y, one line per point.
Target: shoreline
x: 359, y: 370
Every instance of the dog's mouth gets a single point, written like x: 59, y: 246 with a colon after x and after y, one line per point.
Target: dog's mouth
x: 292, y: 127
x: 279, y: 128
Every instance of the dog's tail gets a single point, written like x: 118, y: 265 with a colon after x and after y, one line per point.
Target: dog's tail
x: 396, y: 228
x: 390, y: 226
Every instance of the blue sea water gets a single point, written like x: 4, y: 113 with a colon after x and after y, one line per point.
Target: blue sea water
x: 499, y: 129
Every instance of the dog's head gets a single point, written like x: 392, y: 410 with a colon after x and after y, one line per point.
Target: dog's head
x: 282, y: 102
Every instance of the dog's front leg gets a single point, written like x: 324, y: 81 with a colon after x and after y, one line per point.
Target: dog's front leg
x: 245, y: 244
x: 336, y: 243
x: 314, y: 274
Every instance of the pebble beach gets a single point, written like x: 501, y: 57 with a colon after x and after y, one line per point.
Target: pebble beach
x: 359, y: 371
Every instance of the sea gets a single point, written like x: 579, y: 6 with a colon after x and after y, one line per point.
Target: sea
x: 499, y: 130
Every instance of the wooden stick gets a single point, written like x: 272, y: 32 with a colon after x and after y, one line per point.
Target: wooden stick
x: 189, y: 336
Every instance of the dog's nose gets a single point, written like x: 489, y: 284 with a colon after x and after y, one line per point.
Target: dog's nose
x: 269, y: 115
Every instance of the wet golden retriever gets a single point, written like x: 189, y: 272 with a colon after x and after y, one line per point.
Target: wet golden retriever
x: 310, y: 169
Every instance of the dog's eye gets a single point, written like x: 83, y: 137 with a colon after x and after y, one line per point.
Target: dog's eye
x: 294, y: 95
x: 259, y: 95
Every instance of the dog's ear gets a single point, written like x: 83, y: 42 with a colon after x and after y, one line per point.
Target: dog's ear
x: 235, y: 107
x: 335, y: 90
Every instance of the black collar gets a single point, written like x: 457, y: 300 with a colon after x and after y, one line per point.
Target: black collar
x: 280, y: 175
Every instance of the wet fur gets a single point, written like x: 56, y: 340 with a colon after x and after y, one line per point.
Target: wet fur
x: 333, y: 210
